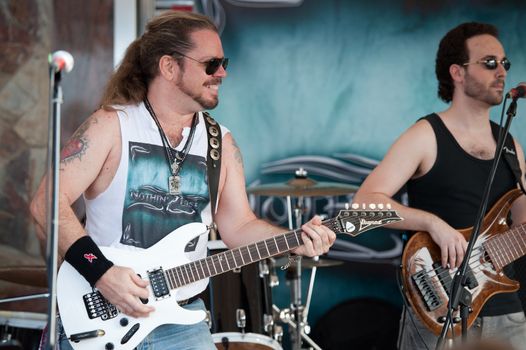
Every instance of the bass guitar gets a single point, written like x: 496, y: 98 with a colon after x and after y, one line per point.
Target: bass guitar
x: 427, y: 284
x: 92, y: 323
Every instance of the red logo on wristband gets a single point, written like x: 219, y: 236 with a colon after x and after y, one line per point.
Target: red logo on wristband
x: 90, y: 257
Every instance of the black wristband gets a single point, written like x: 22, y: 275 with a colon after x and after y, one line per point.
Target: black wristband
x: 85, y: 256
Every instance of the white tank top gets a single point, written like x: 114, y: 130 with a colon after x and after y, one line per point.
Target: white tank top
x: 136, y: 210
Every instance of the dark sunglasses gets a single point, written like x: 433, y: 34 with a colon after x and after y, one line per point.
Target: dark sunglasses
x: 211, y: 66
x: 492, y: 63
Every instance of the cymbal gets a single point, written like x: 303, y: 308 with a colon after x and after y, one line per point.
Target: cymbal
x: 303, y: 187
x: 29, y: 275
x: 309, y: 263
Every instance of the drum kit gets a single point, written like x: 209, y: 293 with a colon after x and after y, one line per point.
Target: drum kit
x: 23, y: 306
x: 242, y: 315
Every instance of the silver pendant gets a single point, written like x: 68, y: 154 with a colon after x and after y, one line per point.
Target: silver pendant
x: 174, y: 184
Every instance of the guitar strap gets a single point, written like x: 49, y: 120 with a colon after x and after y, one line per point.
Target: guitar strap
x: 509, y: 153
x: 213, y: 166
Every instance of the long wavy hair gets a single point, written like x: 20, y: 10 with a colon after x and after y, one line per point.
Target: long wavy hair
x: 165, y: 34
x: 453, y: 50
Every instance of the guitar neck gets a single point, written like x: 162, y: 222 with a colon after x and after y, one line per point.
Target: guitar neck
x: 232, y: 259
x: 507, y: 247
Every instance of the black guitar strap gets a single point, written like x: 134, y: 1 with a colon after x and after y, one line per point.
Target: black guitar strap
x: 509, y: 153
x: 213, y: 165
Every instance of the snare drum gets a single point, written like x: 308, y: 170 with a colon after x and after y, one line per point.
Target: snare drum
x: 244, y: 341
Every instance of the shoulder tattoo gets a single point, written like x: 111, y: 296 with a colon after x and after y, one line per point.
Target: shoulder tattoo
x: 78, y: 144
x: 237, y: 152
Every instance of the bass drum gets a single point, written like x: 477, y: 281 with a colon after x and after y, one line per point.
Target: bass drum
x: 240, y: 300
x: 244, y: 341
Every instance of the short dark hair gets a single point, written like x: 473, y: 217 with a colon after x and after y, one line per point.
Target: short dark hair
x: 453, y: 50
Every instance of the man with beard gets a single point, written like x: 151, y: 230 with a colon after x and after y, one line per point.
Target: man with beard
x: 140, y: 163
x: 444, y: 160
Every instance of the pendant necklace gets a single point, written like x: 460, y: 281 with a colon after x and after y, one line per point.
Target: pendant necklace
x: 175, y: 158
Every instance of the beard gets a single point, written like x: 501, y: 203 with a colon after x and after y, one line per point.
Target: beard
x: 205, y: 103
x: 477, y: 90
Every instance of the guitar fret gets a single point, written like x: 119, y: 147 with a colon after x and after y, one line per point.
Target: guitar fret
x: 238, y: 256
x: 187, y: 274
x: 181, y: 276
x: 273, y: 248
x: 207, y: 260
x: 192, y: 269
x: 521, y: 228
x: 211, y: 260
x: 247, y: 257
x: 199, y: 275
x: 205, y: 274
x: 220, y: 257
x: 257, y: 250
x: 287, y: 243
x: 511, y: 236
x: 296, y: 235
x: 496, y: 250
x: 171, y: 281
x: 234, y: 260
x: 517, y: 235
x: 507, y: 252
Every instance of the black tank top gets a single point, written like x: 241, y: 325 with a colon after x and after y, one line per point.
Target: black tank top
x: 452, y: 189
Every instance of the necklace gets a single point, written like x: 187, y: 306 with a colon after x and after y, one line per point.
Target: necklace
x: 175, y: 158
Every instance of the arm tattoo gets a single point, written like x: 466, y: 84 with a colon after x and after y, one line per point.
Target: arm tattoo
x: 237, y: 152
x: 78, y: 144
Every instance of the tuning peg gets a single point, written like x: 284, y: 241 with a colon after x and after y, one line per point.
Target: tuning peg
x: 372, y: 206
x: 388, y: 206
x: 380, y: 206
x: 346, y: 206
x: 364, y: 206
x: 355, y: 206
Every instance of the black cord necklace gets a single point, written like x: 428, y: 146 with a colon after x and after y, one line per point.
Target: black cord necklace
x: 175, y: 158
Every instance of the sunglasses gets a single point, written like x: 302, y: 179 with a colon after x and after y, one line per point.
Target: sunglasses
x: 492, y: 63
x: 211, y: 66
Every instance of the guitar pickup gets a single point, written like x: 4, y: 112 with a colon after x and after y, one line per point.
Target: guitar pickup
x: 446, y: 280
x: 158, y: 283
x: 427, y: 290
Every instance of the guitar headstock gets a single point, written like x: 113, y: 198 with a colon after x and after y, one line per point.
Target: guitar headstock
x: 361, y: 218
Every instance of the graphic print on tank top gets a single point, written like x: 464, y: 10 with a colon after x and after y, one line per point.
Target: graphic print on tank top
x: 150, y: 212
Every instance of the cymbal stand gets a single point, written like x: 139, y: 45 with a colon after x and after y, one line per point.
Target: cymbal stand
x: 299, y: 326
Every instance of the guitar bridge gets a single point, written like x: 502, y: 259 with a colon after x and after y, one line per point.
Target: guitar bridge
x: 97, y: 306
x: 427, y: 290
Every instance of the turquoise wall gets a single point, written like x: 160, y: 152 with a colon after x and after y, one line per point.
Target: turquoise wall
x: 345, y: 76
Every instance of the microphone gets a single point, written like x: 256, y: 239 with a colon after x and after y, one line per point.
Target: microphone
x: 518, y: 92
x: 61, y: 61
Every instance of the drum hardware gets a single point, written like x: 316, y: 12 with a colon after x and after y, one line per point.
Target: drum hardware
x: 241, y: 319
x: 268, y: 323
x: 208, y: 319
x: 277, y: 333
x: 263, y: 269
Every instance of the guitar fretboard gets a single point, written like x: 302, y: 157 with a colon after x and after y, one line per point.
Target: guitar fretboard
x: 507, y: 247
x: 231, y: 259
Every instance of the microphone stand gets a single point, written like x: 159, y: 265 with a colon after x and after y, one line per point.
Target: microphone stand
x: 53, y: 160
x: 459, y: 294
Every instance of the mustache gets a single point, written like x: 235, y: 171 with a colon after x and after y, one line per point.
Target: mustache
x: 499, y: 82
x: 214, y: 81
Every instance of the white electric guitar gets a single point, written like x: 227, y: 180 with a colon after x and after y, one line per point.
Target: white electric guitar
x: 92, y: 323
